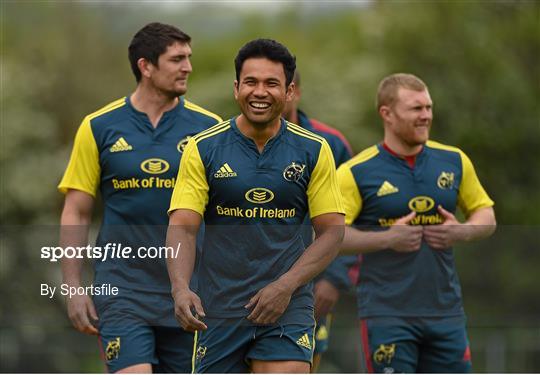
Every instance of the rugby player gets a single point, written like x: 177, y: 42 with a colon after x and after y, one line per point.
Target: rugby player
x: 400, y: 200
x: 130, y: 152
x: 253, y: 179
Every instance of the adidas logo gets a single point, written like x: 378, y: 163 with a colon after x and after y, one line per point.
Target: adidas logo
x: 121, y: 145
x: 387, y: 188
x: 225, y: 171
x: 304, y: 341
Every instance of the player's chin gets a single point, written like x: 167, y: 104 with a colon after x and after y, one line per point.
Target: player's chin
x: 260, y: 119
x: 180, y: 89
x: 421, y: 134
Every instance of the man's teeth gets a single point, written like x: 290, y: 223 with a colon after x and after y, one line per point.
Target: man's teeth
x: 260, y: 105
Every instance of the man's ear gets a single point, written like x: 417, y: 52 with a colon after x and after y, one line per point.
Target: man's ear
x: 290, y: 92
x: 146, y: 67
x: 385, y: 112
x: 235, y: 89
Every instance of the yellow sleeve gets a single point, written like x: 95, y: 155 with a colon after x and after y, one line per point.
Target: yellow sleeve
x: 472, y: 195
x: 323, y: 191
x: 83, y: 171
x: 191, y: 188
x: 352, y: 200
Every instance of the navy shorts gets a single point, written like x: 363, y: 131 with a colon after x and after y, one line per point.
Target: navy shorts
x: 228, y: 345
x: 139, y: 327
x: 415, y: 345
x: 322, y: 334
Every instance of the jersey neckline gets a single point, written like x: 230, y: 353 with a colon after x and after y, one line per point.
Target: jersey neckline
x: 251, y: 143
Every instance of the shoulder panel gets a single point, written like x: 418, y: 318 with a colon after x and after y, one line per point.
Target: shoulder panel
x: 214, y: 130
x: 194, y: 107
x: 298, y: 130
x: 108, y: 108
x: 363, y: 156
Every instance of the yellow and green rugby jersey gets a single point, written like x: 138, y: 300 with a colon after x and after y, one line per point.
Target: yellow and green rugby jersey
x: 253, y: 206
x: 134, y: 166
x: 378, y: 188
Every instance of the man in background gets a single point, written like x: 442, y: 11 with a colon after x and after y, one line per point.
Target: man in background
x: 130, y: 152
x: 400, y: 200
x: 335, y: 279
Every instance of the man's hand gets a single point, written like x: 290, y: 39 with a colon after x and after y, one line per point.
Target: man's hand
x: 269, y: 303
x: 404, y: 237
x: 444, y: 235
x: 326, y: 295
x: 185, y: 301
x: 80, y: 310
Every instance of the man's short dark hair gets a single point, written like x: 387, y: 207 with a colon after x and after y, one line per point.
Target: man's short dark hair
x: 269, y: 49
x: 151, y: 41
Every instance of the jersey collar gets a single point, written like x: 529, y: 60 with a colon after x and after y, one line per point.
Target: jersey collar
x: 250, y: 143
x: 166, y: 121
x: 410, y: 161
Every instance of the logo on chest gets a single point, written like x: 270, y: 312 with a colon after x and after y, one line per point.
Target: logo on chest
x: 155, y: 166
x: 294, y: 172
x: 225, y: 171
x: 421, y: 204
x: 182, y: 144
x: 259, y: 195
x: 121, y: 145
x: 446, y: 180
x: 386, y: 189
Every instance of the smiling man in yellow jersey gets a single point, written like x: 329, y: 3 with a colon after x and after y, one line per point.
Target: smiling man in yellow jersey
x: 253, y: 310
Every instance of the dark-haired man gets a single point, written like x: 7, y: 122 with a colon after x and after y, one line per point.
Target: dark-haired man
x: 335, y: 279
x: 130, y: 151
x: 400, y: 198
x: 254, y: 178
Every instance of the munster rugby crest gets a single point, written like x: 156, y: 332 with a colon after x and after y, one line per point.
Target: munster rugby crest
x: 384, y: 353
x: 113, y: 349
x: 182, y: 144
x: 294, y: 172
x: 446, y: 180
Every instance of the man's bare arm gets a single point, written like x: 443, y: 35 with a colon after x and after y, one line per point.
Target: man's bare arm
x: 399, y: 237
x: 74, y: 225
x: 183, y: 227
x: 480, y: 224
